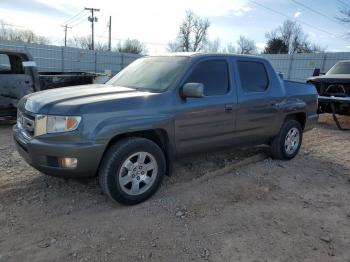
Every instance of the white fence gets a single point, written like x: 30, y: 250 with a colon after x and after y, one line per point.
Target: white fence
x: 66, y: 59
x: 297, y: 67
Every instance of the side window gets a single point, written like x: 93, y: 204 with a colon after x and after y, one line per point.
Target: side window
x: 253, y: 76
x: 213, y: 74
x: 5, y: 66
x: 11, y: 64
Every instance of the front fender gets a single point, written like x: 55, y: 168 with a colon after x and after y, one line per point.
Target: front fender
x: 111, y: 127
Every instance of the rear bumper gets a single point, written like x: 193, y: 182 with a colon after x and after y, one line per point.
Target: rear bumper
x: 345, y: 100
x: 311, y: 122
x: 341, y: 105
x: 43, y: 155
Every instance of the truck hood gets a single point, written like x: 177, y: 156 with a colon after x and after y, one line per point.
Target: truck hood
x: 70, y: 100
x: 340, y: 78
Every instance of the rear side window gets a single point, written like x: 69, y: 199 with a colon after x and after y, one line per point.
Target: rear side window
x: 253, y: 76
x: 213, y: 74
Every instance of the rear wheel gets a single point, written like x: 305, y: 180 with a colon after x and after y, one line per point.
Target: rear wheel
x: 132, y: 170
x: 287, y: 143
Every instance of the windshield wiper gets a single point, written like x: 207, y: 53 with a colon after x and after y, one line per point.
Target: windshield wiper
x: 144, y: 89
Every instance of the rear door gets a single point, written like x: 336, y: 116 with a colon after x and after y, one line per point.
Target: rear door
x: 207, y: 122
x: 259, y: 97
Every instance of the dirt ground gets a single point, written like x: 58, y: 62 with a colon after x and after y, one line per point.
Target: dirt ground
x: 236, y: 205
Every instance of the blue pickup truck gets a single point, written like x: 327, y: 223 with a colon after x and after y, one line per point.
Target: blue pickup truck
x: 131, y: 129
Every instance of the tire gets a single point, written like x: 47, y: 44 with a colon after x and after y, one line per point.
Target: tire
x: 132, y: 170
x: 281, y: 146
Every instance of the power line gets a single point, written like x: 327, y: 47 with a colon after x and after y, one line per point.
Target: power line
x: 73, y: 22
x: 78, y: 22
x: 342, y: 2
x: 319, y: 13
x: 123, y: 39
x: 12, y: 25
x: 302, y: 22
x: 105, y: 29
x: 75, y: 17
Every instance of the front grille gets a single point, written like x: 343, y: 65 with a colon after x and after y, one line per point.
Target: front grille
x: 26, y: 122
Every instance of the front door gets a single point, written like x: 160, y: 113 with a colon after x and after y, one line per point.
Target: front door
x: 207, y: 122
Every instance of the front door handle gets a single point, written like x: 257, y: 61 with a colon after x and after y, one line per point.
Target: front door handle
x: 275, y: 104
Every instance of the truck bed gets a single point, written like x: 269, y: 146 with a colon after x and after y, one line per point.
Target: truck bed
x: 294, y: 88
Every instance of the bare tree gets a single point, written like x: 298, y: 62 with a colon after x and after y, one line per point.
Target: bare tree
x: 173, y: 47
x: 290, y: 38
x: 83, y: 42
x: 133, y: 46
x: 246, y: 45
x: 27, y: 36
x: 192, y: 35
x: 213, y: 46
x: 230, y: 48
x: 344, y: 16
x: 99, y: 46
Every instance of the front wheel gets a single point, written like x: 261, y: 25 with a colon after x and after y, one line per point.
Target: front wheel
x: 132, y: 170
x: 287, y: 143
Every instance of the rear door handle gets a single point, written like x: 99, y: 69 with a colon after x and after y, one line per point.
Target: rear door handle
x: 275, y: 104
x: 228, y: 108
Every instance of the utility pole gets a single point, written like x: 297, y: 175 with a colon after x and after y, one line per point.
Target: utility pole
x: 92, y: 19
x: 110, y: 34
x: 66, y: 27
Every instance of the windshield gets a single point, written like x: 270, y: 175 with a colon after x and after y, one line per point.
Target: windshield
x: 340, y: 68
x: 150, y: 73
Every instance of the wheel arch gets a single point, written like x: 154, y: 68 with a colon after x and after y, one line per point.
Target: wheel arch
x: 300, y: 117
x: 158, y: 136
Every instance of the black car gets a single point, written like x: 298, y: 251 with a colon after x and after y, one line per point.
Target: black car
x: 333, y: 89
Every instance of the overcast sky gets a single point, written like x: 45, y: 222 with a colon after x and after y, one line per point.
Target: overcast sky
x: 156, y: 21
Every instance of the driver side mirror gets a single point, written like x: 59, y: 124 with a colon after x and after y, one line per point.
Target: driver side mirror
x: 194, y: 90
x: 280, y: 74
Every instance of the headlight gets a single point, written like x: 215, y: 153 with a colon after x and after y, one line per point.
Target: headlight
x: 55, y: 124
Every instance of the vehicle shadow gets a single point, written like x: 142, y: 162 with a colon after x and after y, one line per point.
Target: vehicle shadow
x: 326, y: 121
x: 29, y: 186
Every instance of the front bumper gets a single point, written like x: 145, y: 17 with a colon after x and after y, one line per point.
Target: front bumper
x: 42, y: 155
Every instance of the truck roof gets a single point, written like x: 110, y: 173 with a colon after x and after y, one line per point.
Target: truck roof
x: 13, y: 52
x: 198, y: 54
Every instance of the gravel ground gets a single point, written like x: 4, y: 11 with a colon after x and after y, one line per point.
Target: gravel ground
x: 231, y: 206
